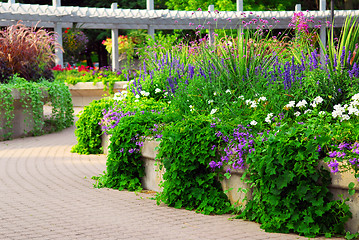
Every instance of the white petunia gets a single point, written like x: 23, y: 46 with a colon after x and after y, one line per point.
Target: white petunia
x: 241, y: 97
x: 307, y: 111
x: 191, y: 108
x: 157, y: 90
x: 213, y: 111
x: 137, y: 96
x: 253, y: 123
x: 321, y: 113
x: 297, y: 114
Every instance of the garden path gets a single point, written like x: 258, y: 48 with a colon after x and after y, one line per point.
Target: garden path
x: 46, y: 192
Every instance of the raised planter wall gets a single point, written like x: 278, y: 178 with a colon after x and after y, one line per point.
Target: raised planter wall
x: 83, y: 93
x: 154, y: 176
x: 20, y: 127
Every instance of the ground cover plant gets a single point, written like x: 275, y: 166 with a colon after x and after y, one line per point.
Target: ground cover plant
x: 256, y: 101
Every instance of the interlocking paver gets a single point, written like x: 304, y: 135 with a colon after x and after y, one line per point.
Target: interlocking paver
x: 47, y: 193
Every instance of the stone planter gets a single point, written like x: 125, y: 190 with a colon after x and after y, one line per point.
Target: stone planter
x: 339, y: 184
x: 22, y: 122
x: 83, y: 93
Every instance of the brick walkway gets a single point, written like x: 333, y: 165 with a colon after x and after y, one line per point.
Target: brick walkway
x: 46, y: 192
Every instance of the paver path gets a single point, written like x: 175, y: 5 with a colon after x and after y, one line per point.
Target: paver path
x: 46, y: 192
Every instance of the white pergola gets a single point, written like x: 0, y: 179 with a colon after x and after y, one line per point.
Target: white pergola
x: 58, y: 17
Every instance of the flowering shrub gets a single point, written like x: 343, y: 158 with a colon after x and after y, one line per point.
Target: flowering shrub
x: 75, y: 44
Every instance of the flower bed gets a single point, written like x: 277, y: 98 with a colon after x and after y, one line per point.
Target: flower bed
x: 256, y: 107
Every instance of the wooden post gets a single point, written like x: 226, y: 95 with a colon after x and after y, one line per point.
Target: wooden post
x: 239, y: 5
x: 298, y: 7
x: 150, y: 29
x: 114, y: 36
x: 211, y: 29
x: 323, y: 32
x: 59, y: 60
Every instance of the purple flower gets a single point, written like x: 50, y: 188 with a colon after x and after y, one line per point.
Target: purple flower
x: 334, y: 166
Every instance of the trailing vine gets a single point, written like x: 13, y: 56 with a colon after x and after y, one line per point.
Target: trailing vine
x: 32, y: 97
x: 189, y: 182
x: 7, y: 109
x: 62, y: 109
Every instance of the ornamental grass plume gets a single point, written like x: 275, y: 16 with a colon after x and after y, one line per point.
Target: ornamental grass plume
x: 28, y: 51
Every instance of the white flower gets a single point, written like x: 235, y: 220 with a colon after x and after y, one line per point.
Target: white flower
x: 307, y: 111
x: 210, y: 101
x: 321, y: 113
x: 169, y: 102
x: 213, y: 111
x: 136, y: 100
x: 166, y: 93
x: 228, y: 91
x: 268, y: 118
x: 191, y: 108
x: 313, y: 104
x: 297, y: 114
x: 290, y: 104
x: 318, y: 100
x: 352, y: 110
x: 253, y: 123
x: 262, y: 99
x: 345, y: 117
x: 356, y: 97
x: 253, y: 104
x: 241, y: 97
x: 301, y: 103
x: 137, y: 96
x: 215, y: 93
x: 338, y: 111
x: 157, y: 90
x: 146, y: 94
x: 248, y: 101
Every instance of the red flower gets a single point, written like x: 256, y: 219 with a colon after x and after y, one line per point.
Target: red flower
x: 65, y: 31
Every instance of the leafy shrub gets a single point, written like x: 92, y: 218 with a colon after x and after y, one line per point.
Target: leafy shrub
x: 28, y: 52
x: 290, y: 189
x: 88, y: 130
x: 188, y: 181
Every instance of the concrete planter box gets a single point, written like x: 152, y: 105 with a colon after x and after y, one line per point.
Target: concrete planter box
x: 20, y: 127
x: 83, y: 93
x: 339, y: 184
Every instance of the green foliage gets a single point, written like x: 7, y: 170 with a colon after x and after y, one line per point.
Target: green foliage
x: 7, y: 108
x: 189, y: 182
x: 290, y: 190
x: 88, y: 131
x: 347, y: 41
x: 124, y: 166
x: 32, y: 98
